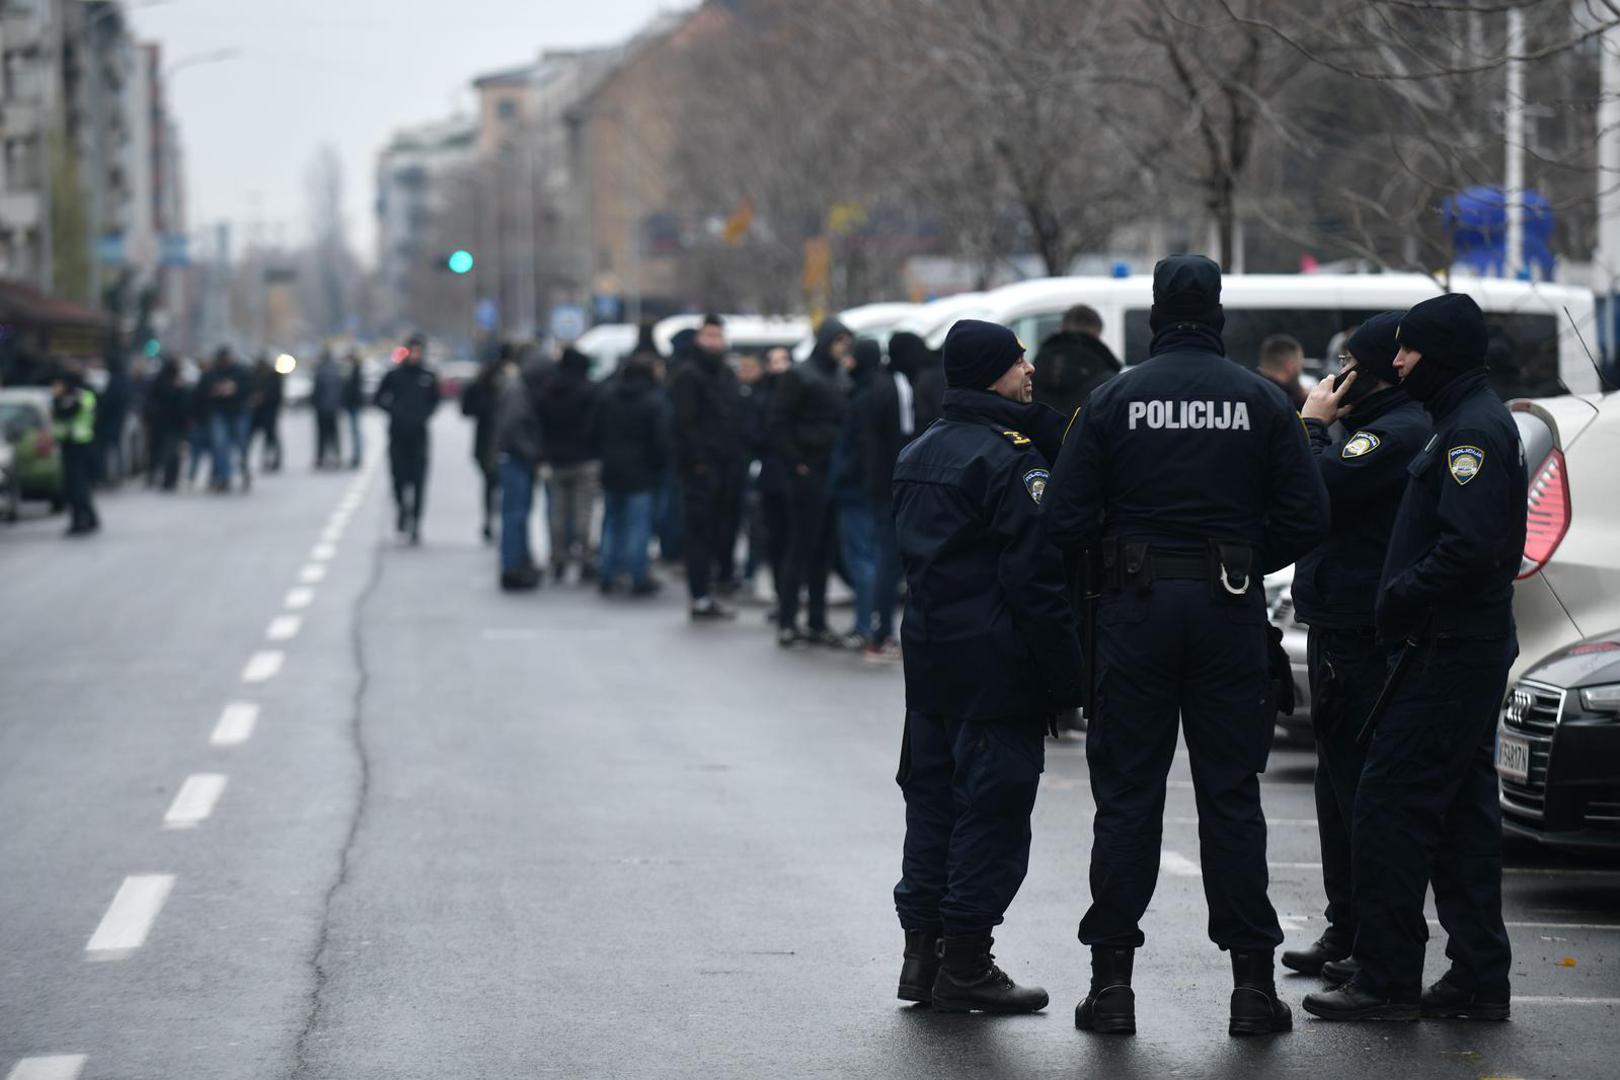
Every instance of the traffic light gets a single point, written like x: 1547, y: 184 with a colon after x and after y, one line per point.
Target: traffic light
x: 460, y: 261
x: 152, y: 348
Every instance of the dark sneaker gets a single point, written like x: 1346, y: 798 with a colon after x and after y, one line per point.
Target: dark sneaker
x: 921, y: 966
x: 523, y: 579
x: 1309, y: 961
x: 1256, y: 1008
x: 787, y: 637
x: 1110, y: 1005
x: 712, y: 612
x: 650, y: 587
x: 832, y: 639
x: 970, y: 981
x: 1447, y: 1000
x: 1351, y: 1002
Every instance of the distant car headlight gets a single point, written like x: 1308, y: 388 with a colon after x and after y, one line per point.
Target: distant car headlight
x: 1602, y: 698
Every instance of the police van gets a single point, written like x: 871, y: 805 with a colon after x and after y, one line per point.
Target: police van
x: 1535, y: 351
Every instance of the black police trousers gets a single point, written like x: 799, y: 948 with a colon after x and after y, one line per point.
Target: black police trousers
x: 408, y: 461
x: 1173, y: 656
x: 1427, y: 811
x: 1347, y: 670
x: 812, y: 528
x: 713, y: 500
x: 970, y: 789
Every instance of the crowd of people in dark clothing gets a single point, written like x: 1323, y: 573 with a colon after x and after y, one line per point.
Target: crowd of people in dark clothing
x: 731, y: 464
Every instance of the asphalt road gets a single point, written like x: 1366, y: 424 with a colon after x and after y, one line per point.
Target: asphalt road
x: 283, y: 798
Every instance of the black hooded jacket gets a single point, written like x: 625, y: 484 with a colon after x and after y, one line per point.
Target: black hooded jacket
x: 568, y: 412
x: 708, y: 413
x: 809, y: 406
x: 635, y: 426
x: 926, y: 370
x: 1068, y: 367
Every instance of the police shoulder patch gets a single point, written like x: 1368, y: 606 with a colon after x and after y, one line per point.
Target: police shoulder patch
x: 1465, y: 462
x: 1035, y: 483
x: 1360, y: 444
x: 1017, y: 438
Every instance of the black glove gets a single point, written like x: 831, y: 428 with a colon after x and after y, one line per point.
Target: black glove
x: 1281, y: 672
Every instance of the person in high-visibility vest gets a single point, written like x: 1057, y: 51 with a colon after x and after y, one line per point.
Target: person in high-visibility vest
x: 73, y: 415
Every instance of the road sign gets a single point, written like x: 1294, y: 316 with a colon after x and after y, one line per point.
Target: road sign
x: 176, y: 250
x: 487, y: 313
x: 567, y: 322
x: 110, y: 249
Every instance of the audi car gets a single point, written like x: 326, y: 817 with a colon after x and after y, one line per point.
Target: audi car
x: 1558, y: 749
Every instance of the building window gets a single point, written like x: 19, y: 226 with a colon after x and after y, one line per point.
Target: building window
x: 506, y: 109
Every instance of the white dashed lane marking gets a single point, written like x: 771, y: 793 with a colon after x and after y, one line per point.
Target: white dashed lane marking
x: 312, y: 573
x: 1177, y: 864
x: 262, y: 666
x: 323, y: 552
x: 130, y: 916
x: 194, y: 801
x: 53, y: 1067
x: 300, y: 598
x: 235, y: 724
x: 283, y: 627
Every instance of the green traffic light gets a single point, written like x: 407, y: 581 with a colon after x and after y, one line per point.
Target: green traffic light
x: 153, y: 347
x: 461, y: 262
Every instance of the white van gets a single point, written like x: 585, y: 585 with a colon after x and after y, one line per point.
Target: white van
x: 744, y: 333
x: 1316, y: 308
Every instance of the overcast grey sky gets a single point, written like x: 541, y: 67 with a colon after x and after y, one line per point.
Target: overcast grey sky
x: 342, y: 71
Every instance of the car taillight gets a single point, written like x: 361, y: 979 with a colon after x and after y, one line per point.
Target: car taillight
x: 1547, y: 514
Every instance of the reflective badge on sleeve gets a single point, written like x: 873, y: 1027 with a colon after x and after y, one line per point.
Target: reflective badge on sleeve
x: 1035, y: 480
x: 1465, y: 462
x: 1360, y: 444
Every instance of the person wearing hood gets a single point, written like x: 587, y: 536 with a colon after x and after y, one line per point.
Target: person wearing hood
x: 478, y: 405
x: 670, y: 514
x: 516, y: 439
x: 268, y: 397
x: 806, y: 421
x: 1364, y: 430
x: 571, y: 426
x: 166, y: 417
x: 991, y: 656
x: 911, y: 354
x: 710, y: 464
x: 1187, y: 479
x: 857, y: 528
x: 1074, y: 361
x: 409, y: 394
x: 634, y: 461
x: 1426, y: 809
x: 890, y: 422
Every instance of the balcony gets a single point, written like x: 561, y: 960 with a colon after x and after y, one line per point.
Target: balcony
x: 19, y: 119
x: 20, y: 210
x: 22, y: 27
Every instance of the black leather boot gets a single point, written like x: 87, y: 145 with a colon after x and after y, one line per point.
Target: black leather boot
x: 1448, y: 1000
x: 1256, y: 1008
x: 1325, y: 950
x: 970, y: 981
x: 1110, y: 1005
x: 1339, y: 972
x: 921, y: 966
x: 1351, y: 1002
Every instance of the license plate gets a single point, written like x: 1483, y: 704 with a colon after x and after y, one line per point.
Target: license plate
x: 1512, y: 757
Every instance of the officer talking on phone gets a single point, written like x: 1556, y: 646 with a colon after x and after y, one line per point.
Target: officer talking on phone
x: 1380, y: 429
x: 1189, y: 477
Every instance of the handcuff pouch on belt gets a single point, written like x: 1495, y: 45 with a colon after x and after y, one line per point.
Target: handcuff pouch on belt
x: 1231, y: 568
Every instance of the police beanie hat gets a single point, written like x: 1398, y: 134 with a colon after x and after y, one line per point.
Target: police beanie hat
x: 977, y: 354
x: 1448, y: 330
x: 1186, y: 288
x: 1374, y: 346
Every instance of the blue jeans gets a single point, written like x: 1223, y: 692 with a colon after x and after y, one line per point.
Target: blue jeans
x: 886, y: 582
x: 627, y: 524
x: 222, y: 444
x: 517, y: 499
x: 857, y: 539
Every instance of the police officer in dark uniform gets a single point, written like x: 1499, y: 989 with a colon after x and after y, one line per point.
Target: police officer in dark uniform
x: 1335, y: 586
x: 1426, y: 809
x: 409, y: 394
x: 1189, y: 478
x: 991, y: 656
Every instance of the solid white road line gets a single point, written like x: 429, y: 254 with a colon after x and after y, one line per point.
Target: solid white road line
x: 235, y: 724
x: 1173, y: 862
x: 312, y: 573
x: 1304, y: 822
x: 263, y: 665
x: 300, y: 598
x: 54, y: 1067
x: 131, y: 914
x: 283, y: 627
x: 194, y: 801
x: 323, y: 552
x: 1553, y: 999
